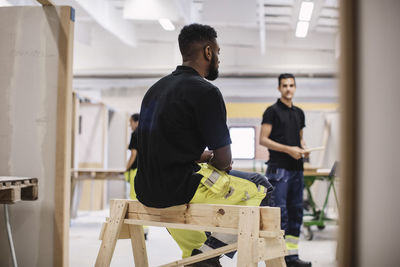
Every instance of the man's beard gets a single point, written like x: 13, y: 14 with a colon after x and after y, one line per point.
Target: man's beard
x: 213, y: 72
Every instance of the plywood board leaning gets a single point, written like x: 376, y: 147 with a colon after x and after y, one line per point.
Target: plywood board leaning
x: 35, y: 84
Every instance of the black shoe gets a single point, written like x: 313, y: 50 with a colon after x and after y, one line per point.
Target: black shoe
x: 298, y: 263
x: 213, y: 262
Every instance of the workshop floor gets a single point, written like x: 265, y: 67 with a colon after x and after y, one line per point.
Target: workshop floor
x: 84, y: 245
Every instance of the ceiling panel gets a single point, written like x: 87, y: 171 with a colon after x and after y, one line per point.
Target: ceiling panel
x: 328, y: 22
x: 278, y: 10
x: 329, y: 12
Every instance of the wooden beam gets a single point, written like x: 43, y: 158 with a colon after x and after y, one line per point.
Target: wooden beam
x: 349, y: 133
x: 270, y: 248
x: 10, y: 195
x: 249, y: 231
x: 117, y: 211
x: 62, y: 174
x: 138, y: 245
x: 46, y: 2
x: 203, y: 256
x: 203, y: 215
x: 124, y: 234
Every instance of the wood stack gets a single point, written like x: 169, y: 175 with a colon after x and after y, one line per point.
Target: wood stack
x: 14, y: 189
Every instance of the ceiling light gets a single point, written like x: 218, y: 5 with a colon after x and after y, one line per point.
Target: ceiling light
x: 151, y: 10
x: 302, y: 29
x: 167, y: 24
x: 306, y: 11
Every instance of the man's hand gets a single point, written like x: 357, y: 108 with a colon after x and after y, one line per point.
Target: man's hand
x: 295, y: 152
x: 206, y: 156
x: 229, y: 167
x: 222, y: 159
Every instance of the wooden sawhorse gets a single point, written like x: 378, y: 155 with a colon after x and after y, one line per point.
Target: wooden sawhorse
x: 258, y: 230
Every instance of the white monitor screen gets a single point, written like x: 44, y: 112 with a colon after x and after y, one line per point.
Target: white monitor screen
x: 243, y: 142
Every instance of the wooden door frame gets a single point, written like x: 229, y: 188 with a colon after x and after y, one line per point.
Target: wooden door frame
x: 349, y: 130
x: 63, y: 134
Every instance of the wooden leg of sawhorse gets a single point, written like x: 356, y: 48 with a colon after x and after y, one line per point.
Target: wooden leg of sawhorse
x: 274, y: 251
x: 118, y: 210
x: 248, y: 233
x: 138, y: 245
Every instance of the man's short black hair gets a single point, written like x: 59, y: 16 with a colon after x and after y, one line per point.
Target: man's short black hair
x: 194, y: 33
x: 135, y: 116
x: 286, y: 76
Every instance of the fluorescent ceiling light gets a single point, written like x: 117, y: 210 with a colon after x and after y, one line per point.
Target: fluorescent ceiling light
x: 306, y: 11
x: 151, y: 10
x: 302, y: 29
x: 167, y: 24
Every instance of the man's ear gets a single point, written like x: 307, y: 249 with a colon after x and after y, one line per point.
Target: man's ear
x: 207, y: 53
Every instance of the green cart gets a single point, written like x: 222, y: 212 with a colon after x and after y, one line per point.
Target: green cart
x: 319, y: 217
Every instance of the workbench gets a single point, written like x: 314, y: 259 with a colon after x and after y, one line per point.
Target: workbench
x: 318, y: 215
x: 93, y: 174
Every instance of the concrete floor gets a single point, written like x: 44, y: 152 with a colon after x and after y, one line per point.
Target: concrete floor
x: 161, y: 248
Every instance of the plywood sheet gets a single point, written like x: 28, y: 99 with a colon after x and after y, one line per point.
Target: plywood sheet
x: 35, y: 88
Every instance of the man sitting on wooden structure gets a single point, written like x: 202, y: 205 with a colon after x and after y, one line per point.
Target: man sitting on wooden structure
x: 181, y: 115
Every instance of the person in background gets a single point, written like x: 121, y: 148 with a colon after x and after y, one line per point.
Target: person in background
x: 282, y: 133
x: 131, y: 166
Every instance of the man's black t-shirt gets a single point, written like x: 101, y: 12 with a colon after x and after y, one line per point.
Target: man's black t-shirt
x: 181, y: 115
x: 287, y: 123
x: 133, y: 145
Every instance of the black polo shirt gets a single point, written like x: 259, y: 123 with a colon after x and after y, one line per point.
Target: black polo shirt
x: 133, y: 145
x: 287, y: 123
x: 180, y: 116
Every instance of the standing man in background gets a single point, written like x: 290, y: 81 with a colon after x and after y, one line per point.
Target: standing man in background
x: 282, y: 133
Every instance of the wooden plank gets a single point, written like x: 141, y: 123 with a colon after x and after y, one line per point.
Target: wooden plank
x: 183, y: 226
x: 124, y: 234
x: 138, y: 245
x: 97, y: 174
x: 45, y: 2
x: 271, y: 234
x: 214, y: 215
x: 102, y: 230
x: 207, y: 215
x: 85, y: 170
x: 350, y: 131
x: 118, y: 210
x: 203, y: 256
x: 249, y: 227
x: 270, y: 218
x: 10, y: 195
x: 15, y: 179
x: 270, y: 248
x: 63, y: 133
x: 29, y: 192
